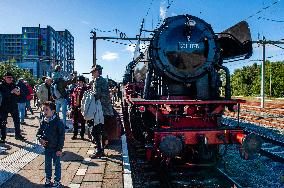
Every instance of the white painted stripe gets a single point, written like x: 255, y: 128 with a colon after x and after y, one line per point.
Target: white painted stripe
x: 74, y: 185
x: 81, y: 172
x: 127, y: 179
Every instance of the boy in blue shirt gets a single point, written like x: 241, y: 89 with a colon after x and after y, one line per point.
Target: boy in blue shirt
x: 51, y: 135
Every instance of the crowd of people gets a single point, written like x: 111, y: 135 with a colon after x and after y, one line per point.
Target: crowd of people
x: 58, y: 95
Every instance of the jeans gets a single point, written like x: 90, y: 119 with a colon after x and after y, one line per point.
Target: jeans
x: 50, y: 155
x: 28, y: 105
x: 62, y: 103
x: 22, y: 111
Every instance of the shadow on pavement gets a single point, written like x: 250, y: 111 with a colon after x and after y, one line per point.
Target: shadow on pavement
x: 19, y: 181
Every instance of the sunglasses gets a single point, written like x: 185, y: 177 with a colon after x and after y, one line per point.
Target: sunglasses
x: 10, y: 77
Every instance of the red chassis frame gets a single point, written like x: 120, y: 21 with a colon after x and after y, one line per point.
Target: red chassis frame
x: 204, y: 125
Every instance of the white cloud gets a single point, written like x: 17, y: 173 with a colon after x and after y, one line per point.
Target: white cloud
x: 163, y: 10
x: 85, y: 22
x: 109, y: 56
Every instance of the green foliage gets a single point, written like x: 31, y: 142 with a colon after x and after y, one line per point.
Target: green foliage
x: 246, y: 81
x: 17, y: 72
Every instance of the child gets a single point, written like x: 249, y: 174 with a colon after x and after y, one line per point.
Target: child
x: 51, y: 135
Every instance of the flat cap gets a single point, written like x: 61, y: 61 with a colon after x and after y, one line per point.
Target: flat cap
x: 97, y: 67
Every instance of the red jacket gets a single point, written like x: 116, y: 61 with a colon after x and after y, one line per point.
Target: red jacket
x: 31, y: 92
x: 77, y: 95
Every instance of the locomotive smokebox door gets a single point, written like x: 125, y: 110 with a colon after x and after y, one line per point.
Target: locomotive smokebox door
x: 184, y: 48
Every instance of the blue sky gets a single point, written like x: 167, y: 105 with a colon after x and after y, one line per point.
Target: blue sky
x: 81, y: 16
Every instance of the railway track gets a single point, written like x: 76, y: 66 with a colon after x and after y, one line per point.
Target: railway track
x: 149, y: 175
x: 271, y: 148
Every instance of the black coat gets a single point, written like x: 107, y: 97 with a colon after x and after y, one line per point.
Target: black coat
x: 24, y: 92
x: 9, y: 100
x: 53, y: 132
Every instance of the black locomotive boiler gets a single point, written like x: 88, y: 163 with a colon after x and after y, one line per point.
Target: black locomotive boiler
x: 177, y: 112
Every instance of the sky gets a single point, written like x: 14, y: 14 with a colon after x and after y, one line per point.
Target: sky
x: 265, y: 18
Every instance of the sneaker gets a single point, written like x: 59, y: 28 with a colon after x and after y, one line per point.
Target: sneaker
x: 23, y: 123
x: 56, y: 184
x: 48, y: 183
x: 97, y: 155
x: 19, y: 137
x: 74, y: 137
x: 82, y: 138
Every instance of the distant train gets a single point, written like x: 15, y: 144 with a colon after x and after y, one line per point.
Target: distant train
x: 177, y: 112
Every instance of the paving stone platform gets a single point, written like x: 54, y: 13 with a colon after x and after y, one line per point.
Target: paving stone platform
x: 22, y: 163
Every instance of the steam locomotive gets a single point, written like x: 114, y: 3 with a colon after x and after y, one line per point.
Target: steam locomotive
x: 177, y: 112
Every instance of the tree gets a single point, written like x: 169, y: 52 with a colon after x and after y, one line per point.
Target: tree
x: 17, y: 72
x: 246, y: 81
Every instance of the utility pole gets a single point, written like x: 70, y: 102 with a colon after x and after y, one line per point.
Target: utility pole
x: 270, y: 84
x: 94, y: 37
x: 262, y: 93
x: 264, y: 42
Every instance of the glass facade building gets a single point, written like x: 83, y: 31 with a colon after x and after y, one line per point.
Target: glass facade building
x: 39, y: 50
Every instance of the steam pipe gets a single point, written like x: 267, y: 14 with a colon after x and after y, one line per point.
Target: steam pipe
x: 228, y: 82
x: 148, y: 82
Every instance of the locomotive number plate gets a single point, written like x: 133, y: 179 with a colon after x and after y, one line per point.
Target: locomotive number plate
x: 187, y: 45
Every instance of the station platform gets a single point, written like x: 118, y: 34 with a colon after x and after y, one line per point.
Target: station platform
x: 22, y: 163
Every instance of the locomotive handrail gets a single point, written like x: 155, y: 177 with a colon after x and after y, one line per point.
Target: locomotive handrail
x: 139, y: 101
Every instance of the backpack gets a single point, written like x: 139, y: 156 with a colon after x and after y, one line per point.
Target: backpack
x: 54, y: 91
x: 92, y: 108
x: 87, y: 103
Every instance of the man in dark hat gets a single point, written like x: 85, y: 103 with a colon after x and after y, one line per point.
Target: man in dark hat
x: 76, y: 98
x: 10, y: 93
x: 101, y: 90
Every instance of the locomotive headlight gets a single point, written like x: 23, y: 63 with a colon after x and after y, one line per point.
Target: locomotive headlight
x: 171, y: 146
x: 191, y: 23
x: 142, y: 109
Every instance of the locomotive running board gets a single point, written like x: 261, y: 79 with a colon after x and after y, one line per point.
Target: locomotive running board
x: 139, y: 101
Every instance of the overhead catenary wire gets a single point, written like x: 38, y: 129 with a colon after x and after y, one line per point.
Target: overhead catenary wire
x: 261, y: 10
x: 272, y: 20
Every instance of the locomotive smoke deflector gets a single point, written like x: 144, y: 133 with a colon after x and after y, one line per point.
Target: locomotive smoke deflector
x: 236, y: 41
